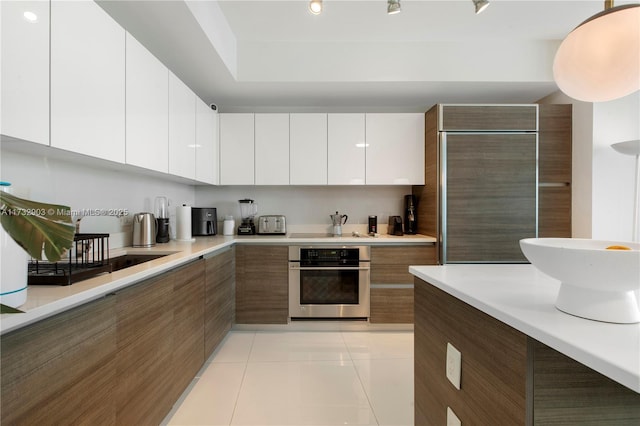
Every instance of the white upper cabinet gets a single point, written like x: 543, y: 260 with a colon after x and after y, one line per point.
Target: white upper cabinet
x: 308, y: 149
x: 182, y: 129
x: 346, y: 149
x: 236, y: 149
x: 272, y: 149
x: 87, y: 80
x: 24, y: 50
x: 147, y: 111
x: 395, y: 149
x: 206, y: 144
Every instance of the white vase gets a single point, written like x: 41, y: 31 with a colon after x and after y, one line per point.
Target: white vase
x: 13, y: 271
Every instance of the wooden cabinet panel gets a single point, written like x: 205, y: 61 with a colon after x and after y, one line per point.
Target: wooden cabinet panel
x: 61, y: 370
x: 262, y: 284
x: 554, y: 143
x: 390, y: 264
x: 494, y: 363
x: 391, y: 306
x: 488, y: 117
x: 188, y: 324
x: 219, y: 307
x: 145, y: 350
x: 554, y: 211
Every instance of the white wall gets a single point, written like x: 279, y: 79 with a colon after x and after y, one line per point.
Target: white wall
x: 602, y: 203
x: 83, y: 186
x: 308, y: 205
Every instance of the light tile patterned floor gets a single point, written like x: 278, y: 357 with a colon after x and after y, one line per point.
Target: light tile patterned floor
x: 301, y: 378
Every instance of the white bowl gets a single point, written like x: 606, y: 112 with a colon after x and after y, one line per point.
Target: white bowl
x: 596, y: 283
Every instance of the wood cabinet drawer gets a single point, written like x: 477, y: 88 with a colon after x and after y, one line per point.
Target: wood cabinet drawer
x: 391, y: 305
x: 390, y: 264
x: 219, y: 310
x: 488, y: 117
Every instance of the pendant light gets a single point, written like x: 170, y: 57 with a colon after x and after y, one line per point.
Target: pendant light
x: 600, y: 59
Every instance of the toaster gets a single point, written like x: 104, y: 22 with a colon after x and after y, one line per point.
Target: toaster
x: 274, y: 224
x: 395, y: 225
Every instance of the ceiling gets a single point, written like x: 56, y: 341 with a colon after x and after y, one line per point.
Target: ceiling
x: 267, y: 55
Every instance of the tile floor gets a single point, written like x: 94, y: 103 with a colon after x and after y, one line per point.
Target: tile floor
x: 303, y: 378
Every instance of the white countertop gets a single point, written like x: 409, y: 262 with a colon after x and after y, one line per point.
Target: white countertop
x: 46, y: 300
x: 524, y: 298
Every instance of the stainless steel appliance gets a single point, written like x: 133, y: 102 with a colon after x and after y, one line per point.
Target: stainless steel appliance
x: 272, y: 225
x: 338, y: 220
x: 410, y: 217
x: 248, y: 210
x: 328, y: 282
x: 162, y: 219
x: 204, y: 221
x: 144, y: 230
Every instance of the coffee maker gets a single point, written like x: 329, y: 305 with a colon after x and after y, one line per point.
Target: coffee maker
x: 248, y: 210
x: 410, y: 218
x: 162, y: 220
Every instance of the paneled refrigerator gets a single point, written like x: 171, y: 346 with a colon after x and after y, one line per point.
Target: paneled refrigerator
x: 484, y: 162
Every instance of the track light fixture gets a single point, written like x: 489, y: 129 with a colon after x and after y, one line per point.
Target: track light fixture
x: 393, y: 7
x: 480, y: 5
x: 315, y: 7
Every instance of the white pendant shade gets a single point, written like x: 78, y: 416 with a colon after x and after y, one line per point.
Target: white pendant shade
x: 600, y: 60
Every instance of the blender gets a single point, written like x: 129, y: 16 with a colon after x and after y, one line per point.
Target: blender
x: 248, y: 210
x: 162, y: 219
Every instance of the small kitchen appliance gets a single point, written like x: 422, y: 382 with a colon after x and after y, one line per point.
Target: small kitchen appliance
x: 410, y: 219
x: 144, y: 230
x: 162, y: 218
x: 395, y: 225
x: 273, y: 224
x: 373, y: 225
x: 248, y: 210
x: 204, y: 221
x: 338, y: 220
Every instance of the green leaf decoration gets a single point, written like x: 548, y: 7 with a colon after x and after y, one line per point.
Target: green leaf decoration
x: 4, y: 309
x: 35, y: 225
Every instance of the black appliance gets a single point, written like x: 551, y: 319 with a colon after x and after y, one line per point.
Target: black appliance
x: 204, y: 221
x: 395, y: 225
x: 410, y: 218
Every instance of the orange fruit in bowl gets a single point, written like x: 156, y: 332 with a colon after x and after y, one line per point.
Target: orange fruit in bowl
x: 616, y: 247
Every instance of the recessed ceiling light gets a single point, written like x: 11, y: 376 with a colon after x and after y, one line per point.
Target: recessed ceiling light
x: 315, y: 7
x: 393, y: 7
x: 480, y: 5
x: 30, y: 16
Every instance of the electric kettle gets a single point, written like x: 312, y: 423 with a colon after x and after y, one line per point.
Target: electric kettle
x: 144, y: 230
x: 337, y: 223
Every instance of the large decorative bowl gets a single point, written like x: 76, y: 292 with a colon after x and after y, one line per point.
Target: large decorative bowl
x: 596, y: 283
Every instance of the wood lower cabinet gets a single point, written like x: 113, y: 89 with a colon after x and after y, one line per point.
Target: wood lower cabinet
x: 391, y: 282
x: 62, y: 370
x: 219, y: 307
x: 507, y: 377
x: 262, y: 284
x: 144, y: 377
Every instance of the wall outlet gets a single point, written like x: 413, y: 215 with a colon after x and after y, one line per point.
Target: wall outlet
x: 454, y: 365
x: 452, y: 419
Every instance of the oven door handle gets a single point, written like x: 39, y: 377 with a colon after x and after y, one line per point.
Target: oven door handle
x: 329, y: 268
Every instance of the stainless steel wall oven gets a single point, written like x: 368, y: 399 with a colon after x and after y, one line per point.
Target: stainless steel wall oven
x: 329, y: 282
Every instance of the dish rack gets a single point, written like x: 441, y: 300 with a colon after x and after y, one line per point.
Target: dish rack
x: 88, y: 257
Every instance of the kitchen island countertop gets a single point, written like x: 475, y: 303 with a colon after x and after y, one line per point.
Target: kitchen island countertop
x: 44, y: 301
x: 524, y: 298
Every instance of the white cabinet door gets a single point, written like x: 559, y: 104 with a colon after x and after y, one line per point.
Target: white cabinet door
x: 308, y: 150
x: 346, y: 149
x: 236, y: 149
x: 272, y: 149
x: 24, y: 80
x: 147, y: 126
x: 87, y: 80
x: 395, y: 149
x: 206, y: 144
x: 182, y: 129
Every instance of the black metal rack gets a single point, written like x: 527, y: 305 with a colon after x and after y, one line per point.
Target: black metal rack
x: 88, y: 257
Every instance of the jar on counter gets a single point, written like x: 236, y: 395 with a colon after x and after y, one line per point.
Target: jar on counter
x: 228, y: 226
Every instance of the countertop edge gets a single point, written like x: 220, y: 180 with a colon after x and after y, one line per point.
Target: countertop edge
x: 627, y: 375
